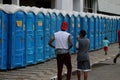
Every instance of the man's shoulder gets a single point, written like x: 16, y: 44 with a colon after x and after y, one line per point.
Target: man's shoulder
x: 62, y: 32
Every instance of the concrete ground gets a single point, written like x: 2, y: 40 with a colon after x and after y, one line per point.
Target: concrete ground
x: 104, y: 70
x: 48, y: 70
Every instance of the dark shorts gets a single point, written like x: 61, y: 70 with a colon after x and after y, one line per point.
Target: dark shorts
x: 105, y: 48
x: 83, y: 66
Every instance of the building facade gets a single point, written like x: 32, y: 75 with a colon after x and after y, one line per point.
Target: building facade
x: 111, y: 7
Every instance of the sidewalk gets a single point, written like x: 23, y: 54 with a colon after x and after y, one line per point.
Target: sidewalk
x: 48, y: 70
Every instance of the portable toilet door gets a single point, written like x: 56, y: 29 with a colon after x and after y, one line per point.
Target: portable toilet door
x: 105, y: 26
x: 39, y: 37
x: 96, y: 38
x: 107, y: 29
x: 16, y: 55
x: 112, y: 31
x: 47, y: 36
x: 67, y: 19
x: 30, y: 38
x: 77, y: 28
x: 84, y: 24
x: 110, y: 26
x: 100, y: 32
x: 72, y: 32
x: 3, y: 40
x: 118, y: 24
x: 78, y: 25
x: 60, y: 19
x: 115, y: 30
x: 91, y: 33
x: 103, y: 29
x: 53, y: 29
x: 113, y: 34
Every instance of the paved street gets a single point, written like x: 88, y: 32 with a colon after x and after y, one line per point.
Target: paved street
x: 48, y: 70
x: 105, y: 70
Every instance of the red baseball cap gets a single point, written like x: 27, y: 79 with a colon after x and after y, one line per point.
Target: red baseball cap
x: 64, y: 26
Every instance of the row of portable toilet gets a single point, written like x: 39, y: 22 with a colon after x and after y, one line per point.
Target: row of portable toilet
x: 25, y: 33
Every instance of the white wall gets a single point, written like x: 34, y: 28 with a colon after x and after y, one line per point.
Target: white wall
x: 109, y: 6
x: 76, y: 5
x: 64, y: 5
x: 1, y: 1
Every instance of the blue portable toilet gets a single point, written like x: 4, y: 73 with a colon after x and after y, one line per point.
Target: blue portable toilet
x: 84, y: 23
x: 118, y: 26
x: 77, y: 28
x: 72, y: 32
x: 16, y: 54
x: 110, y: 27
x: 47, y: 36
x: 3, y: 39
x: 96, y: 33
x: 112, y: 32
x: 30, y: 38
x: 91, y: 34
x: 103, y: 28
x: 100, y: 32
x: 78, y: 25
x: 60, y: 19
x: 118, y: 23
x: 107, y: 28
x: 115, y: 30
x: 39, y: 37
x: 67, y: 19
x: 53, y: 29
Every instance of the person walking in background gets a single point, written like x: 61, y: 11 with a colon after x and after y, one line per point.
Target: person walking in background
x: 63, y: 43
x: 83, y: 62
x: 115, y: 59
x: 105, y: 45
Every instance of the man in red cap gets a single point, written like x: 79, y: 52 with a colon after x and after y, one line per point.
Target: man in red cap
x: 115, y: 59
x: 63, y: 43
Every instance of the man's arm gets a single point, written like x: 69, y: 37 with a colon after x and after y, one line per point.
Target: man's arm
x: 70, y: 41
x: 50, y: 42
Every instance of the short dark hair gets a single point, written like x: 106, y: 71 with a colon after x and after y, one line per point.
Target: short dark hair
x: 105, y: 38
x: 83, y: 32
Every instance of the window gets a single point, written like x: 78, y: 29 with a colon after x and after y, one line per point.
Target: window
x: 7, y: 1
x: 88, y: 5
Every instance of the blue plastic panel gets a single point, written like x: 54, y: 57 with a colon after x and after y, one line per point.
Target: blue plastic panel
x: 17, y: 56
x: 30, y: 38
x: 67, y: 19
x: 60, y: 19
x: 72, y: 32
x: 84, y: 24
x: 47, y: 36
x: 96, y: 38
x: 39, y: 38
x: 3, y: 39
x: 53, y: 29
x: 91, y: 32
x: 100, y: 32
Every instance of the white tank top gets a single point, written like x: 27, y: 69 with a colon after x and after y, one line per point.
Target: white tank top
x: 61, y: 40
